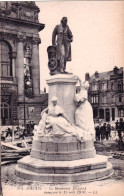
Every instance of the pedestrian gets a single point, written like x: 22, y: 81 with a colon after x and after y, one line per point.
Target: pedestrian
x: 104, y: 131
x: 109, y: 130
x: 117, y: 125
x: 97, y: 133
x: 9, y: 132
x: 3, y: 135
x: 121, y: 128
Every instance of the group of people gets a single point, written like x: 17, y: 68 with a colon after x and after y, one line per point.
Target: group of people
x: 103, y: 131
x: 19, y: 132
x: 119, y: 125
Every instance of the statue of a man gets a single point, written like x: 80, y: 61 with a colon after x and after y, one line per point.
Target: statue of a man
x: 63, y: 43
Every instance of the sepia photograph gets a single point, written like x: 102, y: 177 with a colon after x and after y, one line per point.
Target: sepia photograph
x: 62, y: 98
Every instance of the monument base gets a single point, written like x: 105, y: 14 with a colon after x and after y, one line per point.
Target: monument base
x: 83, y: 170
x: 63, y: 159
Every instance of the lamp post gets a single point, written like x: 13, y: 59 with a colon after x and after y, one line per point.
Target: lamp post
x: 24, y: 105
x: 13, y: 134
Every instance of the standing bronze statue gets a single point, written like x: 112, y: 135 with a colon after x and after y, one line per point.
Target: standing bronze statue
x: 64, y: 38
x: 61, y: 45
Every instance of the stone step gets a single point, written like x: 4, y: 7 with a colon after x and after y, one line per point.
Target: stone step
x: 63, y: 156
x: 57, y: 167
x: 96, y: 174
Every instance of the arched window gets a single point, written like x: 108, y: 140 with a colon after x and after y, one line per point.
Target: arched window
x: 107, y: 112
x: 101, y: 113
x: 95, y: 113
x: 5, y: 59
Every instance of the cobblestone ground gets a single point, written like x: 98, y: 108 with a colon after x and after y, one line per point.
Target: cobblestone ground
x: 13, y: 185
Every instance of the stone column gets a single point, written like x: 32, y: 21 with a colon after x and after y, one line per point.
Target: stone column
x: 20, y: 66
x: 36, y: 67
x: 13, y: 64
x: 63, y: 87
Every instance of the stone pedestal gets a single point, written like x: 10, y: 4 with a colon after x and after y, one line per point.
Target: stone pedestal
x: 63, y: 87
x: 63, y: 159
x: 62, y: 148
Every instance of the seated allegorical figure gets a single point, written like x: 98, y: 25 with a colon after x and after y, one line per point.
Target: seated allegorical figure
x: 55, y: 122
x: 84, y: 111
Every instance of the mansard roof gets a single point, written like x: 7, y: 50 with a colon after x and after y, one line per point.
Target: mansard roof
x: 105, y: 75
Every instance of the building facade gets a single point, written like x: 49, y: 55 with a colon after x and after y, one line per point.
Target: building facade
x: 21, y: 100
x: 106, y: 95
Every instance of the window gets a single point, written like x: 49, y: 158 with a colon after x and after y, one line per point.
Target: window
x: 103, y: 86
x: 121, y: 112
x: 94, y: 87
x: 107, y: 115
x: 5, y: 111
x: 113, y: 114
x: 94, y: 99
x: 101, y: 113
x: 113, y: 99
x: 120, y: 98
x: 112, y: 86
x: 95, y: 113
x: 120, y: 86
x: 104, y: 99
x: 5, y: 59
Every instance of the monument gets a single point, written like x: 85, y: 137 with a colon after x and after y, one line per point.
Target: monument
x: 60, y: 51
x: 63, y: 143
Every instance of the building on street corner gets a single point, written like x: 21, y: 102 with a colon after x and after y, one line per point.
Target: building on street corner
x: 21, y: 100
x: 106, y: 95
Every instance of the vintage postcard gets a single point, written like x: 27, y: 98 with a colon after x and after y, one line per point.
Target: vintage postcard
x: 62, y: 98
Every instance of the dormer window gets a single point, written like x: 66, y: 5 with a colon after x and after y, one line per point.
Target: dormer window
x: 103, y: 86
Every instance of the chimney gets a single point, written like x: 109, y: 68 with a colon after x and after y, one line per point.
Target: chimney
x: 115, y: 70
x: 96, y: 74
x: 87, y: 77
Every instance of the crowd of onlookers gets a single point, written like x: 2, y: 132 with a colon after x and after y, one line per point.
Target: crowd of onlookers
x: 103, y: 131
x: 19, y: 132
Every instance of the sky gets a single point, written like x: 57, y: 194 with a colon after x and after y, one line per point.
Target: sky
x: 98, y: 35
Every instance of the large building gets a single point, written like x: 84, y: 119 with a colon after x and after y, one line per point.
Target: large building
x: 106, y: 95
x: 21, y: 100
